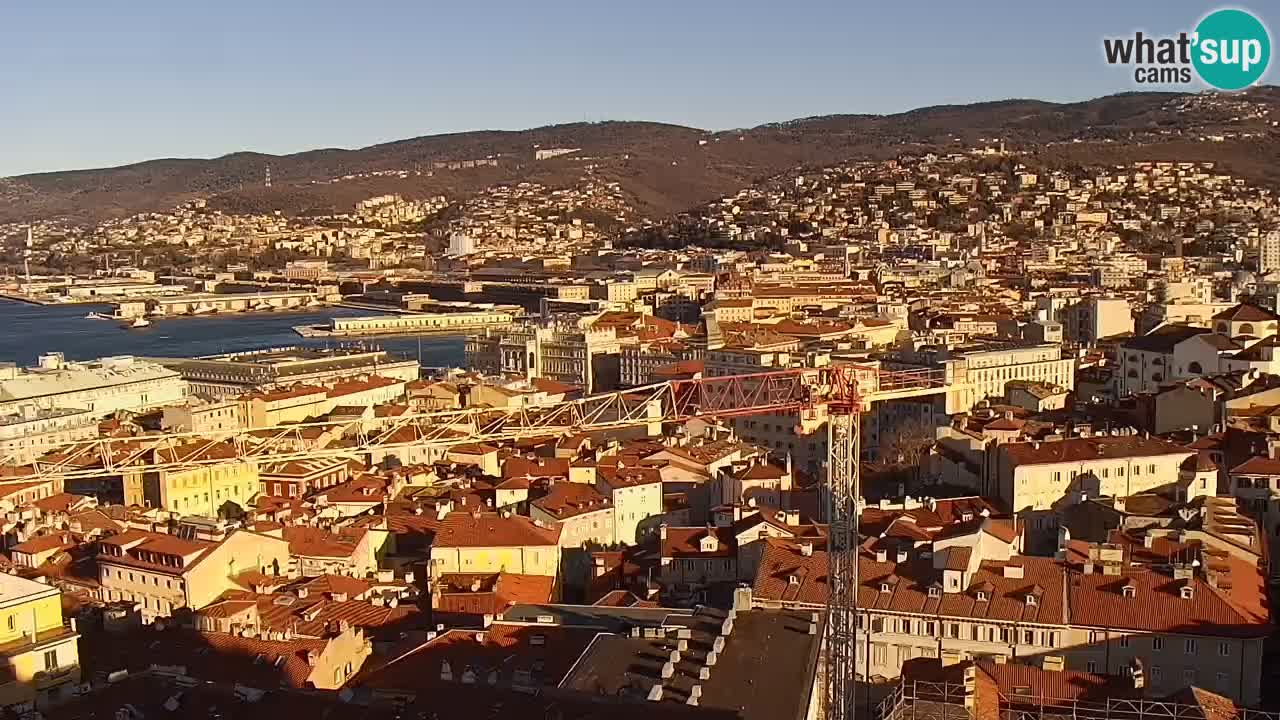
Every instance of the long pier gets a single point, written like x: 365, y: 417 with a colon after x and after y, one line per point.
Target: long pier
x: 202, y: 303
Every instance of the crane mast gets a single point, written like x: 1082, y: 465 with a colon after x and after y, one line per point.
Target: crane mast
x: 842, y: 562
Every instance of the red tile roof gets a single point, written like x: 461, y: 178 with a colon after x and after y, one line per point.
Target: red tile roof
x: 44, y: 543
x: 1098, y: 601
x: 465, y: 529
x: 621, y: 477
x: 1093, y: 448
x: 517, y: 466
x: 1094, y: 600
x: 494, y: 593
x: 569, y: 499
x: 317, y: 543
x: 1258, y: 466
x: 686, y: 542
x: 503, y: 647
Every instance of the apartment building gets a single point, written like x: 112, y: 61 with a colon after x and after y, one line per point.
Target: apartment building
x: 202, y: 489
x: 288, y: 405
x: 1269, y: 252
x: 33, y: 431
x: 583, y: 514
x: 1256, y: 484
x: 726, y: 361
x: 20, y: 496
x: 1043, y: 475
x: 354, y: 552
x: 298, y: 478
x: 39, y: 648
x: 694, y: 559
x: 638, y: 362
x: 1190, y: 616
x: 204, y: 418
x: 1085, y: 320
x: 477, y: 542
x: 636, y: 494
x: 1187, y: 303
x: 163, y: 573
x: 263, y: 661
x: 982, y: 370
x: 760, y: 484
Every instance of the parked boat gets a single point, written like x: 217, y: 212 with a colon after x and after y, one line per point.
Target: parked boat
x: 138, y: 323
x: 97, y: 316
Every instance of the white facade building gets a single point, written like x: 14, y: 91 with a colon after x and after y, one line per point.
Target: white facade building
x: 103, y: 387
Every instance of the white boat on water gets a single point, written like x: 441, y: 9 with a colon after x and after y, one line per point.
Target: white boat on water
x: 138, y: 323
x: 98, y: 316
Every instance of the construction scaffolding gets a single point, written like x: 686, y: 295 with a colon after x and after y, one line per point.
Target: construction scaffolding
x: 432, y: 433
x: 425, y: 437
x: 920, y: 700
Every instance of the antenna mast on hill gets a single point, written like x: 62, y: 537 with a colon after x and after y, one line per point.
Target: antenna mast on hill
x: 26, y: 259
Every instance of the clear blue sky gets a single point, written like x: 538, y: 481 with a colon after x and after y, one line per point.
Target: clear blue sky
x: 91, y: 83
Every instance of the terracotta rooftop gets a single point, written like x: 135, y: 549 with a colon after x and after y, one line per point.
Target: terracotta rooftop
x: 539, y: 655
x: 1079, y: 449
x: 478, y: 529
x: 1063, y: 594
x: 569, y: 499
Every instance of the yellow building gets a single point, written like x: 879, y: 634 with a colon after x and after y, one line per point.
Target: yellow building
x: 481, y: 542
x: 1041, y: 475
x: 162, y: 573
x: 39, y: 649
x: 201, y: 490
x: 288, y: 405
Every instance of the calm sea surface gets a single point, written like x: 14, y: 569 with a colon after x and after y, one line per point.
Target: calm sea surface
x: 29, y: 330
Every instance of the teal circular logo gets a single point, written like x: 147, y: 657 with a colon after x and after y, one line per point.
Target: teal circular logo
x: 1232, y: 49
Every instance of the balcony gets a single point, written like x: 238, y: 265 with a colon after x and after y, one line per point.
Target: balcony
x: 29, y: 642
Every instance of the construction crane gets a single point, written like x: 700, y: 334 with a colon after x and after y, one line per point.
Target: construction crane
x: 845, y: 389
